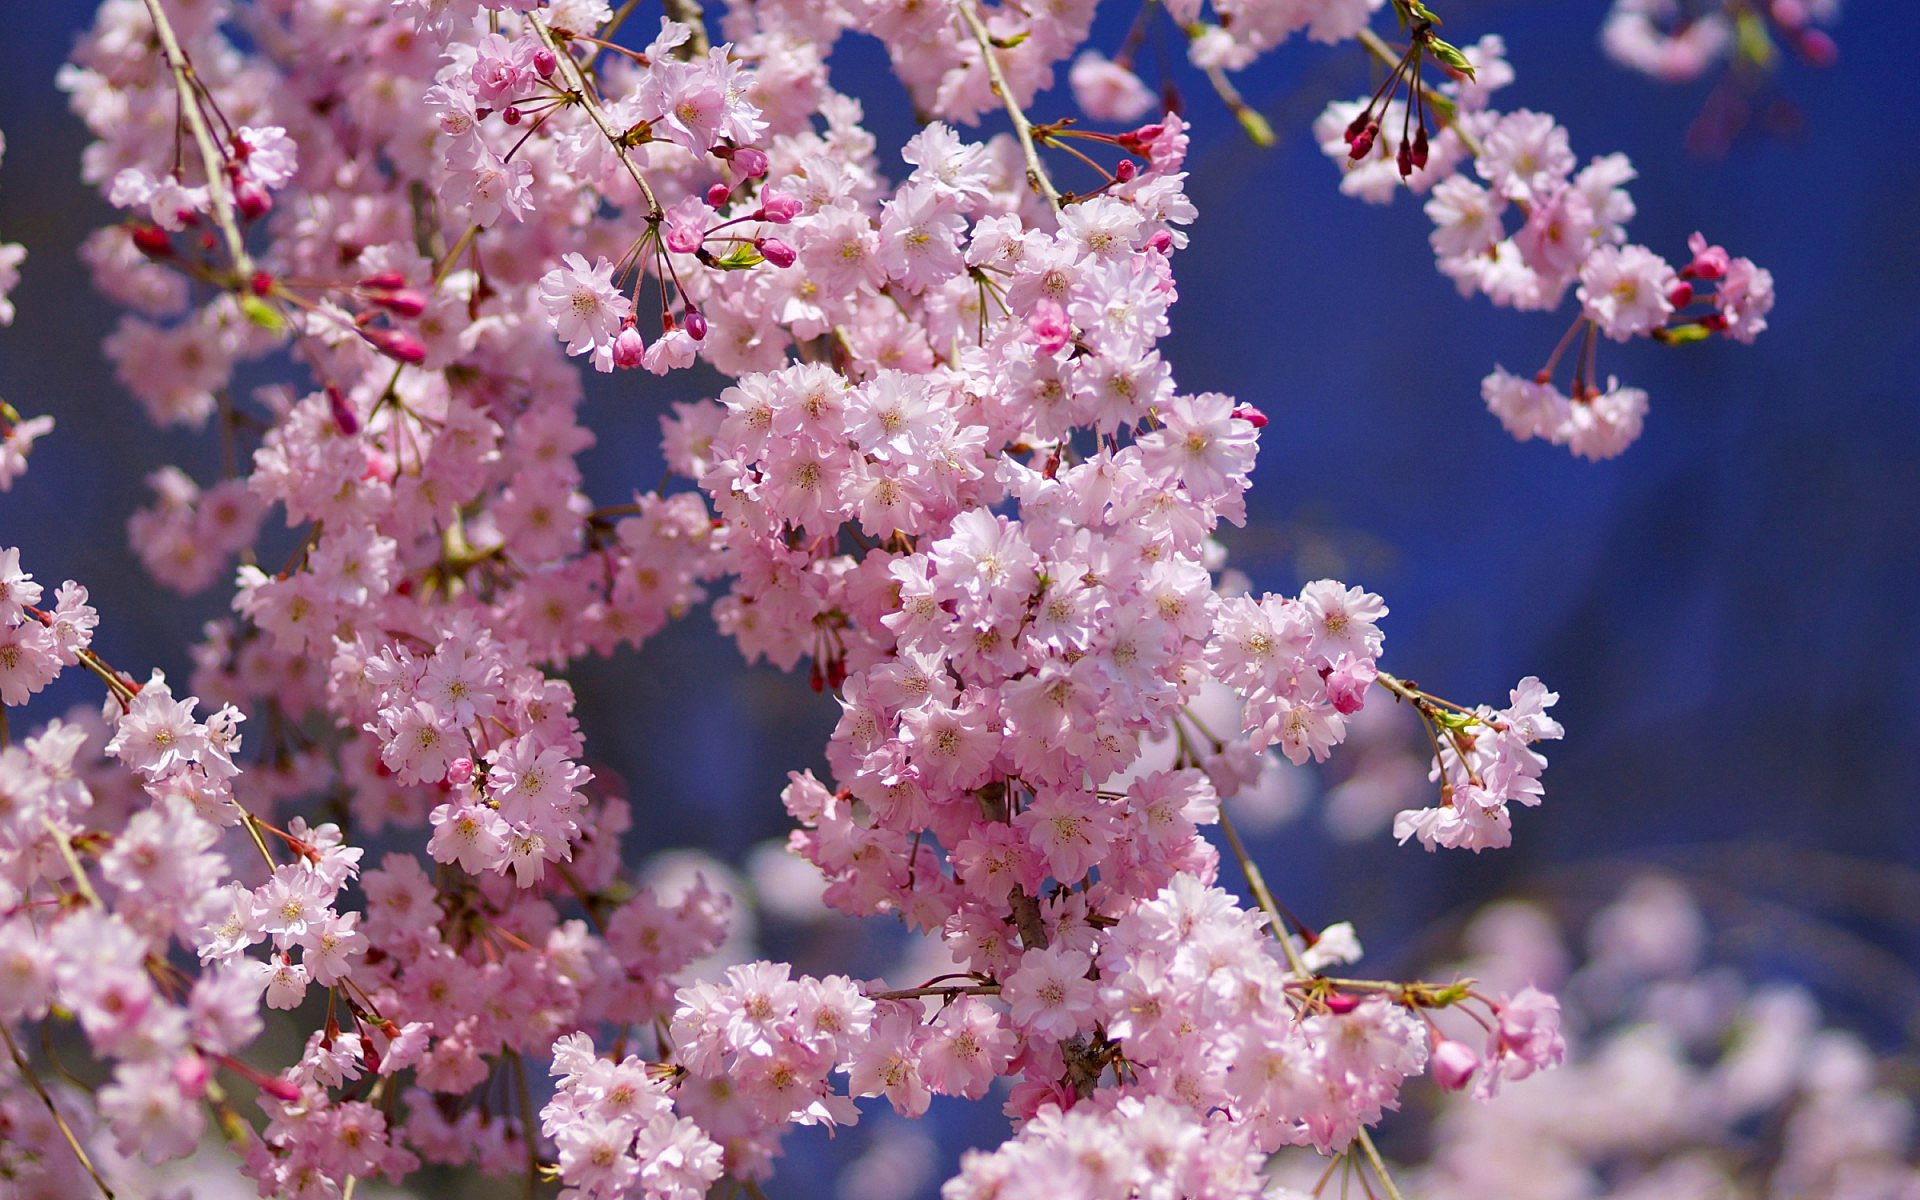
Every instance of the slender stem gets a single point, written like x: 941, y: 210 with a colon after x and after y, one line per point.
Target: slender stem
x: 73, y: 862
x: 1365, y: 1141
x: 973, y: 989
x: 1037, y: 177
x: 584, y: 90
x: 1440, y: 102
x: 66, y: 1131
x: 1257, y: 883
x: 211, y: 160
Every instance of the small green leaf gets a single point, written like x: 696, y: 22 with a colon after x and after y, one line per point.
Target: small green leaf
x: 261, y: 313
x: 1258, y: 130
x: 742, y: 257
x: 1449, y: 55
x: 1681, y: 335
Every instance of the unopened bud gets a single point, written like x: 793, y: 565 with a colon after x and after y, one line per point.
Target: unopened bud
x: 384, y: 279
x: 344, y: 418
x: 1680, y: 294
x: 1403, y: 159
x: 252, y: 200
x: 1363, y: 141
x: 696, y: 325
x: 1339, y: 1003
x: 775, y: 251
x: 261, y: 283
x: 1420, y: 149
x: 1125, y: 170
x: 510, y: 114
x: 151, y: 240
x: 717, y: 195
x: 1251, y: 415
x: 397, y: 344
x: 544, y: 62
x: 627, y: 348
x: 459, y: 771
x: 750, y: 162
x: 190, y: 1075
x: 778, y: 207
x: 1453, y: 1064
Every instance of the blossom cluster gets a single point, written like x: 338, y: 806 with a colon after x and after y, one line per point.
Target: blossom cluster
x: 1535, y: 226
x: 949, y: 468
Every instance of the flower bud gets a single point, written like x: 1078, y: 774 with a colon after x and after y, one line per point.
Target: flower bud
x: 252, y: 200
x: 544, y: 62
x: 627, y: 348
x: 1125, y: 170
x: 260, y: 283
x: 510, y: 114
x: 1680, y: 294
x: 1251, y: 415
x: 404, y: 302
x: 778, y: 208
x: 775, y: 251
x: 1453, y: 1065
x: 190, y: 1075
x: 696, y: 324
x: 1362, y: 142
x: 397, y: 344
x: 344, y: 418
x: 750, y: 162
x: 386, y: 280
x: 460, y: 771
x: 717, y: 195
x: 151, y: 240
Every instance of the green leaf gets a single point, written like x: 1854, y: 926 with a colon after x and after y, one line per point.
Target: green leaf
x: 741, y: 258
x: 261, y: 313
x: 1449, y: 54
x: 1681, y: 335
x: 1256, y: 126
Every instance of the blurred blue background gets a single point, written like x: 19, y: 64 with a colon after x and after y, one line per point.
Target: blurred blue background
x: 1726, y: 610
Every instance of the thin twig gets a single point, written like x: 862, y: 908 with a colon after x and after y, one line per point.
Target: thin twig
x: 584, y: 90
x: 1037, y: 177
x: 66, y: 1131
x: 212, y: 161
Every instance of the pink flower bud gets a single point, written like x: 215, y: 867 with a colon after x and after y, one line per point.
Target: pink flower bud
x: 1680, y: 294
x: 252, y: 200
x: 1709, y: 262
x: 777, y: 207
x: 1817, y: 48
x: 283, y: 1090
x: 627, y: 348
x: 1049, y: 325
x: 404, y: 302
x: 696, y: 325
x: 384, y: 279
x: 510, y: 114
x: 544, y: 62
x: 459, y: 771
x: 717, y: 195
x: 190, y: 1075
x: 344, y: 418
x: 151, y: 240
x: 1161, y: 242
x: 260, y: 283
x: 1363, y: 141
x: 1453, y: 1065
x: 1125, y: 170
x: 1339, y: 1003
x: 397, y: 345
x: 775, y: 251
x: 1251, y: 415
x: 750, y: 162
